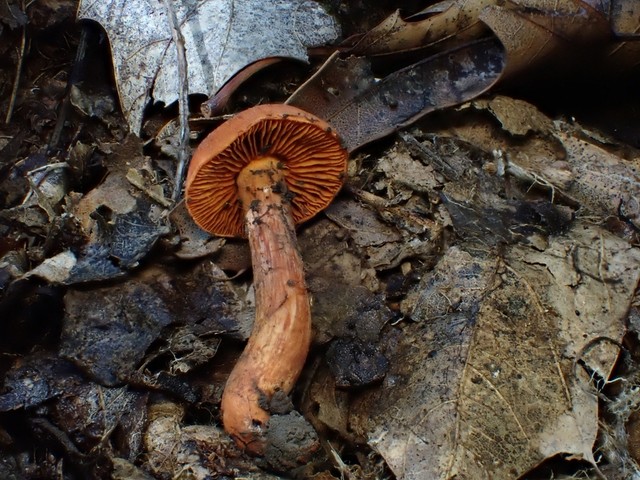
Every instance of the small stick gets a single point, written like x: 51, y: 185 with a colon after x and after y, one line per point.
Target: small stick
x: 16, y: 82
x: 183, y: 105
x: 74, y: 76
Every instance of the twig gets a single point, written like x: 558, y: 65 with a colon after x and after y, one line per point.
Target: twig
x: 74, y: 75
x: 16, y: 82
x: 183, y: 105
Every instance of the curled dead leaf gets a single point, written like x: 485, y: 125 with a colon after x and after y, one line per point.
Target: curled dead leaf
x: 363, y: 108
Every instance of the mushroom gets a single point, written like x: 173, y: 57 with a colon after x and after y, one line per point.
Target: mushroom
x: 257, y: 175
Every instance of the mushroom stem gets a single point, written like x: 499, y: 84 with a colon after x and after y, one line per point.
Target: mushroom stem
x: 279, y: 342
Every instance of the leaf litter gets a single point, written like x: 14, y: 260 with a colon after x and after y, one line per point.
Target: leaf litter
x: 471, y: 288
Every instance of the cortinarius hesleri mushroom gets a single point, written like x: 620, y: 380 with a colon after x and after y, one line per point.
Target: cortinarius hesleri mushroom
x: 257, y: 175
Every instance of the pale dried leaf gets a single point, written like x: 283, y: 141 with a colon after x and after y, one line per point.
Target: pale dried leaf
x: 154, y: 191
x: 402, y: 169
x: 365, y: 228
x: 604, y: 182
x: 125, y: 470
x: 196, y: 452
x: 625, y: 16
x: 56, y: 269
x: 408, y: 419
x: 587, y: 280
x: 221, y: 37
x: 194, y: 242
x: 382, y: 245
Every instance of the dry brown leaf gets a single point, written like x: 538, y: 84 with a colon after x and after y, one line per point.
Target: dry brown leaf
x: 516, y: 116
x: 540, y: 30
x: 458, y: 19
x: 531, y: 30
x: 363, y: 108
x: 580, y: 33
x: 497, y: 392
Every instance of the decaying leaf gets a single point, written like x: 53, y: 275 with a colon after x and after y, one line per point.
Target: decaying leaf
x: 565, y: 159
x: 194, y: 242
x: 498, y: 392
x: 344, y: 307
x: 383, y: 245
x: 42, y: 187
x: 90, y: 412
x: 530, y: 30
x: 338, y: 280
x: 455, y: 20
x: 108, y: 335
x: 516, y: 116
x: 56, y: 269
x: 108, y: 330
x: 120, y: 219
x: 12, y: 16
x: 35, y: 379
x: 194, y: 451
x: 221, y: 37
x: 431, y: 353
x: 604, y: 182
x: 363, y: 108
x: 125, y: 470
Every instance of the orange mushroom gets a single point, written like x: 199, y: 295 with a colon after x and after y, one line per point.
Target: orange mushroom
x: 257, y: 175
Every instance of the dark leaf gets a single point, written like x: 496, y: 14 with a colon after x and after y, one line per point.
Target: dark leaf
x: 363, y: 109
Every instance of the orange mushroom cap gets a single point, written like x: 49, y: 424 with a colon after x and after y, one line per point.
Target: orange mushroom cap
x: 313, y: 159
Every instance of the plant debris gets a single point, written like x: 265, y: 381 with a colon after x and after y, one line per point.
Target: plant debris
x: 473, y: 285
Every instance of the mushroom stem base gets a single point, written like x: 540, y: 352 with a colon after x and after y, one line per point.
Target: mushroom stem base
x: 276, y: 351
